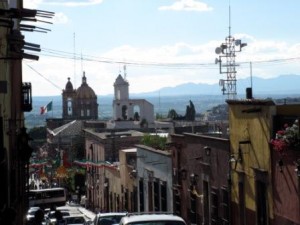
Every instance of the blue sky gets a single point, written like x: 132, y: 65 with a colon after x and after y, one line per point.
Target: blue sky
x: 161, y: 42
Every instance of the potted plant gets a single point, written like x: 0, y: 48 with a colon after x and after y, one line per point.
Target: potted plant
x: 286, y: 138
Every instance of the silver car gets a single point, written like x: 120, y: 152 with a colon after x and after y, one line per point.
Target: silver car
x: 152, y: 219
x: 108, y: 218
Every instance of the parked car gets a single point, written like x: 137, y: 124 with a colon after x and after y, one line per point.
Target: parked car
x: 75, y: 220
x: 152, y: 219
x: 51, y: 216
x: 30, y: 214
x: 108, y: 218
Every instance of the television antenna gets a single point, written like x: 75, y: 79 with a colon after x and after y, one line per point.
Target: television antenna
x: 227, y: 52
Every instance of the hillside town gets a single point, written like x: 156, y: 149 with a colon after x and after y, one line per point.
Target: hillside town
x: 237, y: 164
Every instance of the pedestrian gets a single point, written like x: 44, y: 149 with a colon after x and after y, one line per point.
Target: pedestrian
x: 39, y: 216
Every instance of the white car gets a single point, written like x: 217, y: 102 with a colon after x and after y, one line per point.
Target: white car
x: 108, y: 218
x: 152, y: 219
x: 51, y: 217
x: 30, y: 213
x: 74, y: 220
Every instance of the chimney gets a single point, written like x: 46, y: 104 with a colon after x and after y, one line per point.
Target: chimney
x: 249, y: 93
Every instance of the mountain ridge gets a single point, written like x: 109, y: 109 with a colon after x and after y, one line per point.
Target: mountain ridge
x: 283, y: 84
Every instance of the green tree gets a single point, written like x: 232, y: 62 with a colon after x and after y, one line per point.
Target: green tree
x: 38, y: 133
x: 154, y: 141
x: 190, y: 112
x: 172, y: 114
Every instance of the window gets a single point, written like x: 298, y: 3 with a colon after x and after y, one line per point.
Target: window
x: 261, y: 203
x: 70, y: 107
x: 118, y: 94
x: 156, y: 196
x: 205, y: 203
x: 124, y: 112
x: 193, y: 215
x: 126, y: 200
x: 214, y: 206
x: 177, y: 202
x: 141, y: 192
x: 225, y: 206
x: 241, y: 202
x: 150, y: 196
x: 163, y: 196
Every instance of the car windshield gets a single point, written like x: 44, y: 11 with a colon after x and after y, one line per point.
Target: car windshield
x: 109, y: 220
x: 75, y: 220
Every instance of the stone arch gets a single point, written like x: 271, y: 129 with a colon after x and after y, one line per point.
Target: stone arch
x: 70, y: 107
x: 124, y: 112
x: 136, y: 112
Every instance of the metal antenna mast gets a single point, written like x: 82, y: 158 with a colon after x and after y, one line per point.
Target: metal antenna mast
x: 227, y: 52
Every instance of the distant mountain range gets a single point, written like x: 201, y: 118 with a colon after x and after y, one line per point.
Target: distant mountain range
x: 204, y: 97
x: 281, y: 85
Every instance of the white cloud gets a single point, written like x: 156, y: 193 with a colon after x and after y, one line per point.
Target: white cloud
x: 187, y: 5
x: 32, y: 4
x: 60, y: 18
x: 145, y: 76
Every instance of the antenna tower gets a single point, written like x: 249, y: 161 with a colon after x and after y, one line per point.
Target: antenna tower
x: 227, y: 51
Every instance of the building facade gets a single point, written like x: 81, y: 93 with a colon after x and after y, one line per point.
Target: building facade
x: 264, y: 176
x: 200, y: 178
x: 103, y: 179
x: 130, y: 112
x: 154, y: 178
x: 16, y: 96
x: 80, y: 104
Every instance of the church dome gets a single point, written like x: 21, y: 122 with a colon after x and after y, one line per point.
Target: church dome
x: 69, y: 85
x: 85, y: 91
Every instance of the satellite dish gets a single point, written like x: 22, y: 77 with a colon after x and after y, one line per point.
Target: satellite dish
x: 218, y: 50
x: 238, y: 42
x: 217, y: 61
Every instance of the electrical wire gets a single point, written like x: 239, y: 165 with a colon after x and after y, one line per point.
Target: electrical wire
x: 171, y: 65
x: 45, y: 77
x: 189, y: 66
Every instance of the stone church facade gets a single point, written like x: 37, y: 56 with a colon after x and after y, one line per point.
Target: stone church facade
x: 80, y: 104
x: 126, y: 111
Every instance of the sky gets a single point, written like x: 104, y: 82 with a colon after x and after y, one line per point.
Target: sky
x: 160, y: 43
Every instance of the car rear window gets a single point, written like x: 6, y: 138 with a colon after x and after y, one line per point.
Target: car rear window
x: 109, y: 220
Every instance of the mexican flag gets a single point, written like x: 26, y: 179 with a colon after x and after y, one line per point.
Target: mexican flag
x: 47, y: 108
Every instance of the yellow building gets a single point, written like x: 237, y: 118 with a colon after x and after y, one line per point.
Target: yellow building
x: 250, y: 123
x: 264, y: 178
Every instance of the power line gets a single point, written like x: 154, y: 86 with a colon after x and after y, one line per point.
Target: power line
x: 45, y: 77
x: 171, y: 65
